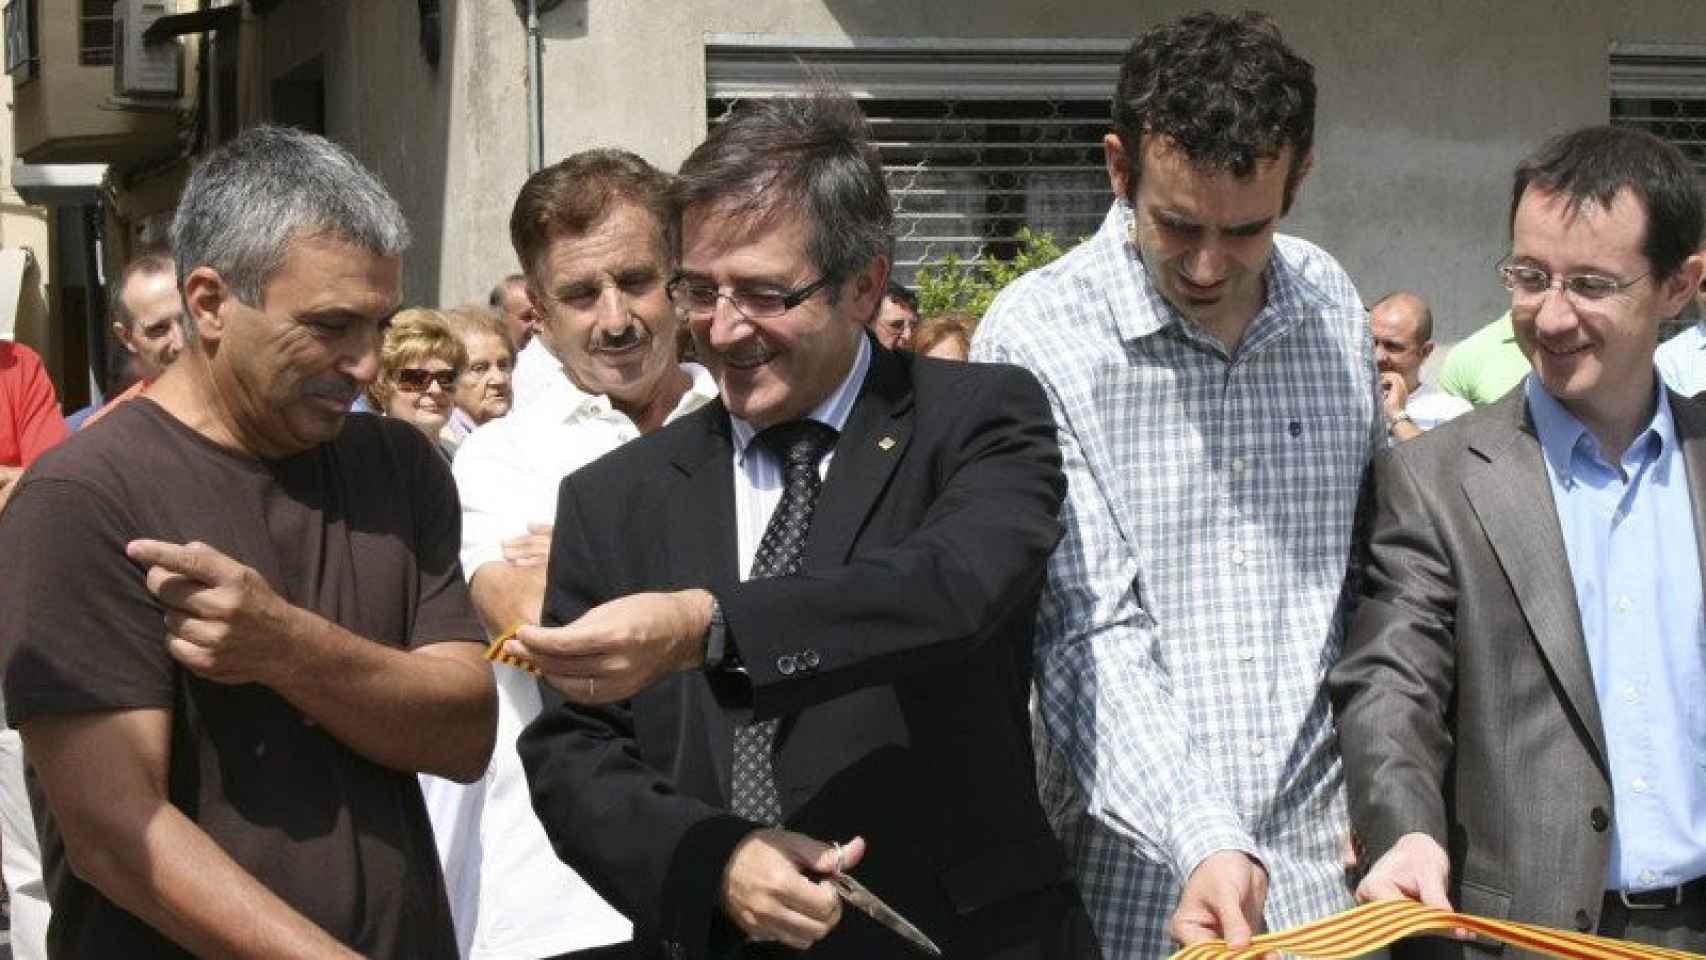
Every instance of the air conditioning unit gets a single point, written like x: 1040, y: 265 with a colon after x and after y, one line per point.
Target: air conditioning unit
x: 144, y: 69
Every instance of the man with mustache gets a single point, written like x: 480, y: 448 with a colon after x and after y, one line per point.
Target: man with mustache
x: 1214, y: 385
x: 234, y: 623
x: 591, y: 231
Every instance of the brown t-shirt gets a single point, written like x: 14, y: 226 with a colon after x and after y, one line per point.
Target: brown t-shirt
x: 363, y: 531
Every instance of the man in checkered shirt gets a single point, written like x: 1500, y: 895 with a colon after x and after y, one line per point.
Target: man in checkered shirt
x: 1214, y: 385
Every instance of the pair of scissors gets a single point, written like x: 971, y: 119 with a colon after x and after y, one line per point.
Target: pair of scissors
x: 855, y: 893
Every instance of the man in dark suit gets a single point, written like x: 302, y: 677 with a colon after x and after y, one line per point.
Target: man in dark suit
x: 802, y: 616
x: 1522, y: 697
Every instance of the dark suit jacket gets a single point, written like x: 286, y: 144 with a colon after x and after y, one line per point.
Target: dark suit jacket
x: 1464, y: 696
x: 898, y: 662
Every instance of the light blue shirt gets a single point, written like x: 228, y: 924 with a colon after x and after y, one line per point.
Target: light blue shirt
x: 1629, y: 533
x: 1682, y: 361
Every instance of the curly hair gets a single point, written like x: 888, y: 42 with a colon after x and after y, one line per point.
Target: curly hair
x: 1226, y: 91
x: 415, y: 334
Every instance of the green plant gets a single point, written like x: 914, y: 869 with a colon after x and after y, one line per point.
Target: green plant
x: 955, y: 285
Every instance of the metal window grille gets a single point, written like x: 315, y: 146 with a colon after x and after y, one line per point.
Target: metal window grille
x: 95, y: 33
x: 1661, y: 88
x: 977, y: 143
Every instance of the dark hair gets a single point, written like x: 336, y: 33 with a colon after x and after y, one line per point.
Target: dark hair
x: 1594, y: 164
x: 1226, y: 91
x: 575, y: 194
x: 149, y: 263
x: 1425, y: 329
x: 902, y: 296
x: 811, y: 154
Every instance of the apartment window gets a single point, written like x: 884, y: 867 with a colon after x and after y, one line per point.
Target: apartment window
x: 1661, y: 88
x: 95, y: 33
x: 23, y: 59
x: 977, y: 139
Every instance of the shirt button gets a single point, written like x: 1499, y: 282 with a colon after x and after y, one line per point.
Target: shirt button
x: 1238, y: 464
x: 1246, y: 653
x: 1647, y: 879
x: 1599, y: 819
x: 1640, y: 785
x: 1624, y: 604
x: 1629, y: 693
x: 1584, y: 921
x: 1257, y: 748
x: 786, y: 666
x: 1238, y: 555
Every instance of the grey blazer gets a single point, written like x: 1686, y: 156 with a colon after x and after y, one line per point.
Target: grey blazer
x: 1464, y: 697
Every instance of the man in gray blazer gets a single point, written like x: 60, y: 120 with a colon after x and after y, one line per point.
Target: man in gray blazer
x: 1522, y: 698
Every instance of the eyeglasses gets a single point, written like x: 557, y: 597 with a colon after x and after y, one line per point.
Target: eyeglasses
x: 416, y: 380
x: 699, y: 299
x: 1526, y: 281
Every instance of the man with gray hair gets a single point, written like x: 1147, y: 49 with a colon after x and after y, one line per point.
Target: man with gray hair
x: 270, y: 631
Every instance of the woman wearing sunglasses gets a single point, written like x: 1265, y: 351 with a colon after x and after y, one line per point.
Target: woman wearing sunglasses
x: 419, y: 363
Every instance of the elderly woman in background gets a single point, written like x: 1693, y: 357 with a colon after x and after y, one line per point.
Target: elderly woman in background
x: 483, y: 390
x: 419, y: 363
x: 945, y: 335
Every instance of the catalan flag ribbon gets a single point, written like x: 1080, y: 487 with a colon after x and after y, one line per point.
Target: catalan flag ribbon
x: 495, y: 653
x: 1374, y: 925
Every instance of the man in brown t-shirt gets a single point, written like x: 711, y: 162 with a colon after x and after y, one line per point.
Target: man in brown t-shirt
x: 233, y: 622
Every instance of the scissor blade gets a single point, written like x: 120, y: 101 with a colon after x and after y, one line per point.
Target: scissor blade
x: 855, y: 893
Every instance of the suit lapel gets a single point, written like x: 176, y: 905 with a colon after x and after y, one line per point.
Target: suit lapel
x: 1512, y: 497
x: 876, y: 435
x: 1690, y: 418
x: 700, y: 526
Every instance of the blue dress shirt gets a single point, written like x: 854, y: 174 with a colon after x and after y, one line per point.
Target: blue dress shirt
x: 1629, y: 533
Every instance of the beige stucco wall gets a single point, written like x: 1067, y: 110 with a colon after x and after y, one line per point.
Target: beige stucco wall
x: 1424, y: 107
x: 65, y: 115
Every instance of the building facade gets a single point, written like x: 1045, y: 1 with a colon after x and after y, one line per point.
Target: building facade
x: 989, y: 112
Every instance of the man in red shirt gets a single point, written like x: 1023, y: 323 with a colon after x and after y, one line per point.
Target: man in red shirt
x: 29, y: 413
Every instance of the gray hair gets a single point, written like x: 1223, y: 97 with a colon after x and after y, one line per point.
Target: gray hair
x: 811, y: 154
x: 269, y: 186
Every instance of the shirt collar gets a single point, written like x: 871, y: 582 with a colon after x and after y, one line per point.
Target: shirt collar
x: 567, y: 403
x: 1562, y: 435
x: 1130, y: 284
x: 832, y: 412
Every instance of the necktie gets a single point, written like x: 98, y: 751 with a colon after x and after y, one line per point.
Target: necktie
x: 799, y: 444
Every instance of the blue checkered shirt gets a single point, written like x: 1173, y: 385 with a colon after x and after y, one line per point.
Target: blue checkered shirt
x: 1194, y: 606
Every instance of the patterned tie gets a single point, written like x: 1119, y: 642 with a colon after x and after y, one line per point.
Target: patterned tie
x: 799, y: 444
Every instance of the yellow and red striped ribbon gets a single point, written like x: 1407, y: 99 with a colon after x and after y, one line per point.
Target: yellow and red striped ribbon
x: 1374, y: 925
x: 495, y: 653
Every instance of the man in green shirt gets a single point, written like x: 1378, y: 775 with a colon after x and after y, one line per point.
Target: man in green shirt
x: 1486, y: 365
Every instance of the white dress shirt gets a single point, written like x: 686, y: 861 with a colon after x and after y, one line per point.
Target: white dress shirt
x: 509, y: 894
x: 758, y: 472
x: 536, y: 372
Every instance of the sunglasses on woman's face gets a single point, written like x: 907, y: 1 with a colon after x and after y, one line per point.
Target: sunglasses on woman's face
x: 415, y: 380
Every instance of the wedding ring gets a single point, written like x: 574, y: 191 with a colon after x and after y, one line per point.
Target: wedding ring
x: 591, y: 684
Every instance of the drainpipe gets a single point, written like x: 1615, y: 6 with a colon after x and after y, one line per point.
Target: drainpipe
x: 535, y: 97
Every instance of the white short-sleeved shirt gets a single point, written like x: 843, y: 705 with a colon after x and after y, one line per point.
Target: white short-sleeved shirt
x: 509, y: 894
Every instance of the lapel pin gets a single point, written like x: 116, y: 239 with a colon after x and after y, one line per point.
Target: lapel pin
x: 886, y: 443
